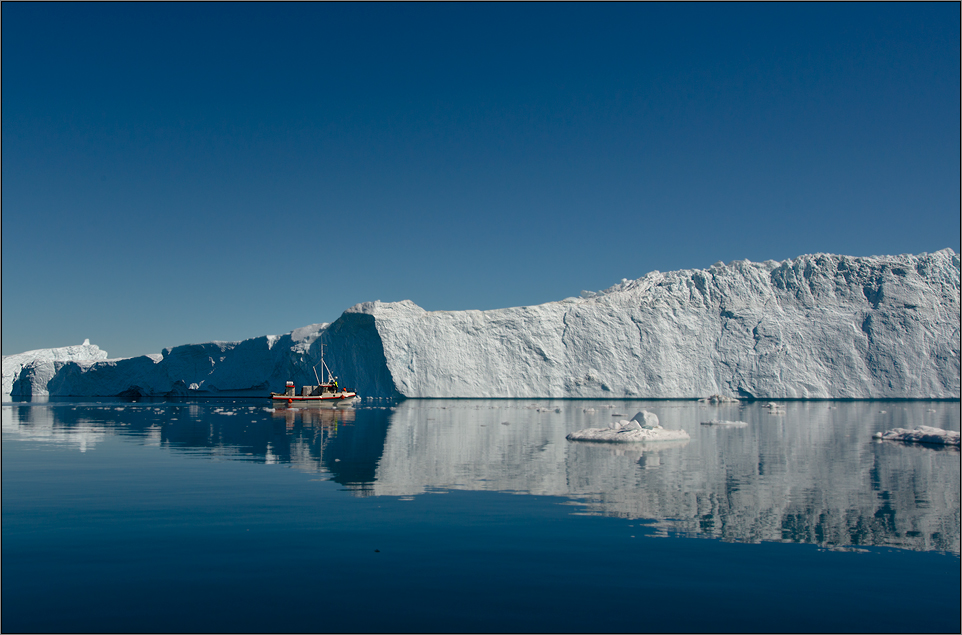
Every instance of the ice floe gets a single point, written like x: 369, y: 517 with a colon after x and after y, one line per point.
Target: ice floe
x: 717, y: 399
x: 922, y: 434
x: 643, y: 427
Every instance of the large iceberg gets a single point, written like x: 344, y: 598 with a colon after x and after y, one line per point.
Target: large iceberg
x: 250, y: 367
x: 817, y: 326
x: 34, y: 369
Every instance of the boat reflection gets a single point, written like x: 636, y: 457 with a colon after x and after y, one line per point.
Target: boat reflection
x: 313, y: 416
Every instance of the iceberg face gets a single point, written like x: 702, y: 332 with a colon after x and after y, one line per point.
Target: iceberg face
x: 250, y: 367
x: 208, y: 368
x: 817, y: 326
x: 27, y: 374
x: 820, y: 326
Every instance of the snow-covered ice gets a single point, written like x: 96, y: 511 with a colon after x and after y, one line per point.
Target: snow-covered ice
x: 643, y: 427
x: 922, y: 434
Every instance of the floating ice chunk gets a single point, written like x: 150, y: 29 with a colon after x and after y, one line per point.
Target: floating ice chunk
x: 723, y: 423
x: 642, y: 428
x: 629, y: 434
x: 646, y: 419
x: 922, y: 434
x: 716, y: 399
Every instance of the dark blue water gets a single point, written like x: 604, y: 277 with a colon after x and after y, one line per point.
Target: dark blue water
x: 474, y: 516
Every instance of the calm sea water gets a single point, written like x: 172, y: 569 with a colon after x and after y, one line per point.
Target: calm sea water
x: 467, y: 515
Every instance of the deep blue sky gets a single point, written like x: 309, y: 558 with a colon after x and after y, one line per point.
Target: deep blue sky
x: 180, y: 172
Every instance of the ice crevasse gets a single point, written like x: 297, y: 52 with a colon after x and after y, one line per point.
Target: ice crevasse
x: 816, y: 326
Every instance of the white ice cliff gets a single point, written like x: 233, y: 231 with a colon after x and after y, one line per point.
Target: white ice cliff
x: 817, y: 326
x: 37, y: 368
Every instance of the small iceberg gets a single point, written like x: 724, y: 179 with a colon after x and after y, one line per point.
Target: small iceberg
x: 922, y: 434
x: 643, y: 427
x: 725, y: 424
x: 717, y: 399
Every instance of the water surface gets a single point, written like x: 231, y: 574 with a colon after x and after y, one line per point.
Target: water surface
x: 475, y: 515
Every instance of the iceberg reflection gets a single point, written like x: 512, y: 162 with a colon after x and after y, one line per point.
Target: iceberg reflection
x: 811, y: 474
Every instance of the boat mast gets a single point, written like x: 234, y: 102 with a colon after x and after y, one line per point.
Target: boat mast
x: 324, y: 367
x: 314, y: 367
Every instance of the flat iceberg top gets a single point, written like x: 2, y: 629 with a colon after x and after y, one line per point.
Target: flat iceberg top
x: 642, y: 428
x: 922, y: 434
x: 85, y: 351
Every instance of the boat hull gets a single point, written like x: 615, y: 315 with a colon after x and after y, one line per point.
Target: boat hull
x: 324, y: 401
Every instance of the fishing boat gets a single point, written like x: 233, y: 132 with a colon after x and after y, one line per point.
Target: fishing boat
x: 324, y: 393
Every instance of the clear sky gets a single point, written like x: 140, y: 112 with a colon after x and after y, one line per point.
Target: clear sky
x: 177, y: 173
